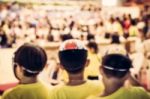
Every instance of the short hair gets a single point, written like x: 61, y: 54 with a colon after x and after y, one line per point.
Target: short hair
x: 92, y: 44
x: 90, y: 37
x: 115, y: 39
x: 73, y: 61
x: 116, y: 65
x: 134, y: 22
x: 32, y: 58
x: 66, y: 37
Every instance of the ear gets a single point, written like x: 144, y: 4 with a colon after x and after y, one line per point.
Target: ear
x: 19, y: 71
x: 101, y: 70
x: 19, y: 68
x: 87, y: 63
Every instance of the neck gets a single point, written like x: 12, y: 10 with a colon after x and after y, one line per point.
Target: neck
x: 76, y: 79
x: 28, y: 80
x: 110, y: 88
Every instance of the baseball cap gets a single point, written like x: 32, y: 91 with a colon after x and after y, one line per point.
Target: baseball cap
x: 72, y: 44
x: 116, y: 62
x: 73, y: 55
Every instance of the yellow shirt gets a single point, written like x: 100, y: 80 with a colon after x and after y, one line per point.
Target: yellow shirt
x: 93, y: 68
x: 126, y: 93
x: 27, y: 91
x: 133, y: 31
x: 76, y: 92
x: 117, y: 28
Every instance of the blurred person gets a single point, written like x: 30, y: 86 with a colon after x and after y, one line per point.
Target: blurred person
x: 49, y: 75
x: 92, y: 70
x: 126, y: 23
x: 109, y: 27
x: 90, y: 37
x: 115, y: 39
x: 146, y: 47
x: 117, y: 27
x: 65, y: 37
x: 100, y: 29
x: 3, y: 38
x: 29, y: 60
x: 144, y: 72
x: 73, y: 58
x: 133, y: 30
x: 50, y: 37
x: 75, y: 32
x: 115, y: 43
x: 146, y: 28
x: 115, y: 70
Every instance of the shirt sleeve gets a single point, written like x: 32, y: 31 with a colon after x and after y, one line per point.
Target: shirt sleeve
x: 144, y: 94
x: 6, y: 95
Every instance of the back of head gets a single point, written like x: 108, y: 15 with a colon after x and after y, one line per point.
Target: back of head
x: 32, y: 58
x: 116, y: 65
x: 92, y: 44
x: 90, y: 37
x: 66, y: 37
x: 116, y: 50
x: 73, y: 56
x: 115, y: 39
x: 133, y: 22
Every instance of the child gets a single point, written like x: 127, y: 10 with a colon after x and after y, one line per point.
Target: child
x: 73, y: 58
x: 115, y: 71
x: 29, y: 60
x: 92, y: 71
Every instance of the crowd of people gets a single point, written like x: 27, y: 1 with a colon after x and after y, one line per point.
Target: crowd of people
x: 29, y: 22
x: 81, y: 70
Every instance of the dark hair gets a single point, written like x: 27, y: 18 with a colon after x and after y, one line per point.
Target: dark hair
x: 115, y: 39
x: 31, y: 57
x: 90, y: 37
x: 93, y: 45
x: 73, y: 61
x: 65, y: 37
x: 116, y: 65
x: 133, y: 22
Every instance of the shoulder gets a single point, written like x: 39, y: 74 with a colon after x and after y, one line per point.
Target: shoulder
x: 140, y: 92
x: 137, y: 89
x: 11, y: 93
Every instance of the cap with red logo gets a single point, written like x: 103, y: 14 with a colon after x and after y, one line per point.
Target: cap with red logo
x: 72, y: 44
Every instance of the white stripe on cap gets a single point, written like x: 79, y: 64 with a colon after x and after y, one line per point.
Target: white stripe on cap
x: 30, y: 71
x: 111, y: 68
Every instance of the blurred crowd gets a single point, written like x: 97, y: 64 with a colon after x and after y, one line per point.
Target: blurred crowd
x: 27, y: 23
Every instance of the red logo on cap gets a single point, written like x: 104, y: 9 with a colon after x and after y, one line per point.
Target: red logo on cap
x: 70, y: 45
